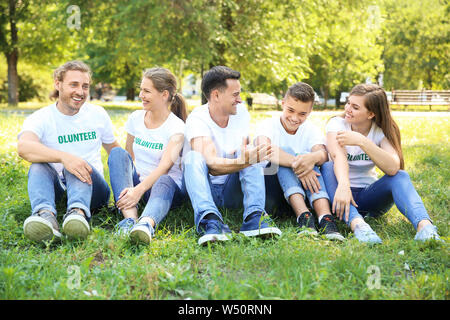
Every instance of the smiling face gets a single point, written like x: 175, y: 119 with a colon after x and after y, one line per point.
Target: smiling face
x: 150, y: 96
x: 295, y: 112
x: 356, y: 112
x: 73, y: 91
x: 228, y: 98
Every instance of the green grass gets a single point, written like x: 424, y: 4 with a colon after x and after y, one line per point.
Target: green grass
x: 173, y: 266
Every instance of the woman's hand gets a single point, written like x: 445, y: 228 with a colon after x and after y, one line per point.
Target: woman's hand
x: 129, y: 198
x: 350, y: 138
x: 341, y: 202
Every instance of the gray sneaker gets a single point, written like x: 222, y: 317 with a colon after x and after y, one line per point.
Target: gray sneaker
x: 41, y: 226
x: 427, y: 233
x: 364, y: 233
x: 75, y: 224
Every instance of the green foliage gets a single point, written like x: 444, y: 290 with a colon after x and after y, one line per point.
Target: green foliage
x: 416, y: 44
x: 173, y: 266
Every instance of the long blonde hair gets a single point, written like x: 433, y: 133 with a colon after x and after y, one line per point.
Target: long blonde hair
x: 375, y: 100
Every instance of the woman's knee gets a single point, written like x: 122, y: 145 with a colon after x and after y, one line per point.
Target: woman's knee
x: 117, y: 152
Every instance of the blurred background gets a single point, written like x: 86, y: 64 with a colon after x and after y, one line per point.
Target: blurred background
x: 330, y: 44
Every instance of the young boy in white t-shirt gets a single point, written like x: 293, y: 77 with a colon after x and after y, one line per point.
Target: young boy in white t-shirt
x: 298, y: 147
x: 63, y: 143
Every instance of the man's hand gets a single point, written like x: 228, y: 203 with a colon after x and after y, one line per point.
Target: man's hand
x: 303, y: 165
x: 310, y: 181
x: 252, y: 155
x: 78, y: 167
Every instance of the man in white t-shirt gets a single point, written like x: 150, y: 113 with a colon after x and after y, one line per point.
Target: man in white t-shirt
x: 298, y: 149
x: 63, y: 143
x: 220, y: 169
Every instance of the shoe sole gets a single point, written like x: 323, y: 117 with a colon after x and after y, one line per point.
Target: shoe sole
x: 337, y: 237
x: 76, y: 227
x: 140, y: 235
x: 262, y: 232
x: 38, y: 229
x: 308, y: 232
x: 212, y: 238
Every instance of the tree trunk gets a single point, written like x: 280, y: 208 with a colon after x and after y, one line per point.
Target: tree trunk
x: 12, y: 57
x: 130, y: 94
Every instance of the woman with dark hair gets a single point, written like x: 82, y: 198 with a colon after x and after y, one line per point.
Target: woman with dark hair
x: 363, y: 137
x: 150, y: 168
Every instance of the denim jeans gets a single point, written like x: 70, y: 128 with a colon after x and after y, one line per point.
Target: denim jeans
x: 45, y: 187
x: 377, y: 198
x: 245, y: 186
x: 159, y: 199
x: 289, y: 184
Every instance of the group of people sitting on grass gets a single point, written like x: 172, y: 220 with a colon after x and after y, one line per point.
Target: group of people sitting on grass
x: 208, y: 158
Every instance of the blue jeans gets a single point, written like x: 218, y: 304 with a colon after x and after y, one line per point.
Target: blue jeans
x: 289, y: 184
x: 160, y: 198
x: 45, y: 187
x: 377, y: 198
x: 245, y: 186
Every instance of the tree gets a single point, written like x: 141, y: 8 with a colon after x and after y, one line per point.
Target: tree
x: 23, y: 35
x: 416, y: 44
x: 346, y: 52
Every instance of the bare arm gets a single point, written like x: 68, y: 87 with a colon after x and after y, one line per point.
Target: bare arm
x: 109, y: 146
x: 219, y: 166
x: 30, y: 148
x: 129, y: 197
x: 343, y: 196
x: 129, y: 145
x: 279, y: 156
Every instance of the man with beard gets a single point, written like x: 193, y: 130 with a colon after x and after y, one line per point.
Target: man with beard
x: 63, y: 143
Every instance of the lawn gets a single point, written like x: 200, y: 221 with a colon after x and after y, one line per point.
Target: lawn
x: 173, y: 266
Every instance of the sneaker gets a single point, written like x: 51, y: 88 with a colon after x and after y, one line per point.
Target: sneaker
x: 142, y: 232
x: 75, y: 224
x: 428, y: 232
x: 364, y: 233
x: 212, y: 230
x: 123, y: 228
x: 328, y: 228
x: 305, y: 224
x: 258, y: 224
x: 41, y: 226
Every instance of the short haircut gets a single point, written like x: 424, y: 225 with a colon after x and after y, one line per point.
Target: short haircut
x: 216, y: 78
x: 76, y: 65
x: 60, y: 72
x: 301, y: 91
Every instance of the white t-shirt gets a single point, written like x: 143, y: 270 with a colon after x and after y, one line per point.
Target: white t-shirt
x: 361, y: 168
x: 150, y: 144
x: 307, y: 135
x: 81, y: 134
x: 227, y: 140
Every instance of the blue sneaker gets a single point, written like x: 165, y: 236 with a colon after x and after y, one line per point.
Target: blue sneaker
x: 142, y: 232
x: 213, y: 230
x: 364, y: 233
x: 258, y: 224
x: 123, y: 228
x: 428, y: 232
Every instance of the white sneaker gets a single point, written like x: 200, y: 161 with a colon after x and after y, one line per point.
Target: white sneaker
x: 41, y: 226
x: 142, y: 232
x: 75, y: 225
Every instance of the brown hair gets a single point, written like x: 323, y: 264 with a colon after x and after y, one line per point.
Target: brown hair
x: 60, y: 72
x: 375, y: 100
x: 163, y: 79
x: 301, y: 91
